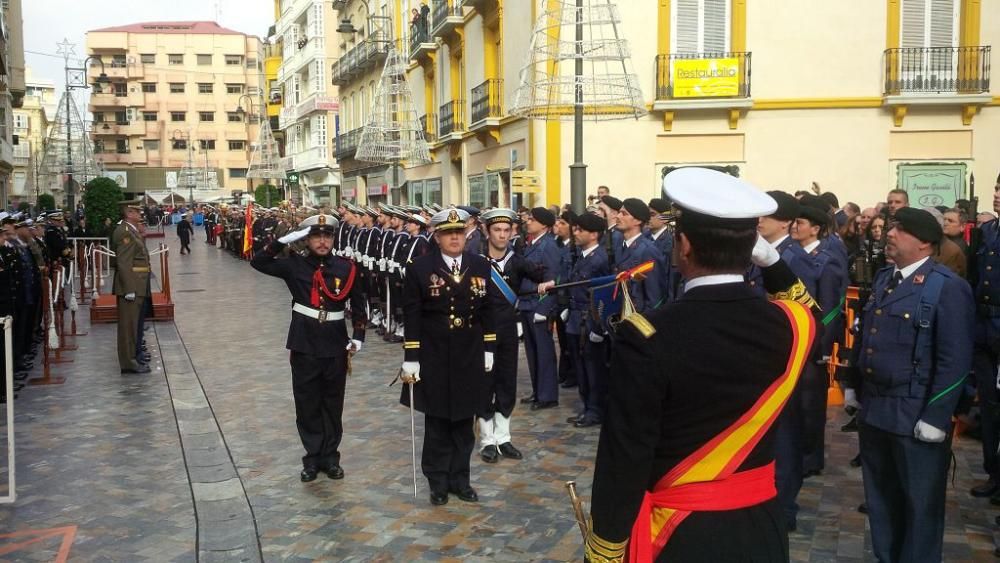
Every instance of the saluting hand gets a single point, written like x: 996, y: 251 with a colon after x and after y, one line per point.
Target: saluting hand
x: 294, y: 236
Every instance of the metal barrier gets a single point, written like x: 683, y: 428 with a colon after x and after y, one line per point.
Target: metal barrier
x: 8, y: 376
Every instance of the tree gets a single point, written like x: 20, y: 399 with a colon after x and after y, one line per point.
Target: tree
x: 46, y: 202
x: 100, y: 201
x: 261, y: 193
x: 24, y: 207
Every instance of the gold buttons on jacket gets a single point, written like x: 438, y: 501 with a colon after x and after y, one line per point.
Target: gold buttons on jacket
x: 869, y: 370
x: 878, y: 311
x: 874, y: 331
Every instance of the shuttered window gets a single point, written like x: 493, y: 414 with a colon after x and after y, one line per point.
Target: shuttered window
x: 700, y: 26
x: 929, y: 23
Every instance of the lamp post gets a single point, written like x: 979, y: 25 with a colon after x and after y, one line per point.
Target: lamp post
x: 245, y: 117
x: 76, y: 78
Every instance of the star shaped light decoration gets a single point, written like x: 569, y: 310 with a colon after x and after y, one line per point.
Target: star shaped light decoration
x: 66, y: 49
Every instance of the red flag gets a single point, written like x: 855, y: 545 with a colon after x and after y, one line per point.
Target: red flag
x: 247, y: 230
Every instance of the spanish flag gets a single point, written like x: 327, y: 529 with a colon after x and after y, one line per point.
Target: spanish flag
x: 247, y: 231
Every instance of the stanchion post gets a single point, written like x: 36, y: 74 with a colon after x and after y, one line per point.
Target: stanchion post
x: 47, y: 361
x: 8, y: 373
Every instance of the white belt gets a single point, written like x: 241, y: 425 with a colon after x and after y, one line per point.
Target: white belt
x: 318, y: 314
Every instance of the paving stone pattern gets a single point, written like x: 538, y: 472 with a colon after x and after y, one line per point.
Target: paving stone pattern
x: 201, y: 461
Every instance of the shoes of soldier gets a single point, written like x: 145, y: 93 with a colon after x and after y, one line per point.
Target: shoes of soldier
x: 863, y: 508
x: 575, y: 419
x: 490, y: 454
x: 851, y: 426
x: 586, y: 422
x: 987, y: 488
x: 466, y: 493
x: 438, y: 499
x: 567, y: 384
x: 334, y: 471
x: 138, y: 370
x: 308, y: 474
x: 508, y: 450
x: 539, y: 405
x: 528, y: 400
x: 856, y: 461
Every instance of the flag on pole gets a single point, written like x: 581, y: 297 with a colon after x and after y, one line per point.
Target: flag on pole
x: 247, y: 230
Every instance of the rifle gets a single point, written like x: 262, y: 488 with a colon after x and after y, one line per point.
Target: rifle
x: 973, y: 235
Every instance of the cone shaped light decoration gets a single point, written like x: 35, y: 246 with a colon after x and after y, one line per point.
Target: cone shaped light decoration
x: 393, y: 133
x: 266, y: 160
x: 72, y: 154
x: 578, y: 57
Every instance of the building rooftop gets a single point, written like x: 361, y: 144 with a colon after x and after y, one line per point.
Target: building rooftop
x: 180, y: 27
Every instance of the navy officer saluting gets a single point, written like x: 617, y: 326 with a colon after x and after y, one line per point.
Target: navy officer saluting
x: 320, y: 284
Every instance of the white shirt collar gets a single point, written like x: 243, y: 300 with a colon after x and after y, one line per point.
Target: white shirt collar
x: 450, y: 262
x: 656, y: 235
x: 565, y: 241
x: 540, y: 237
x: 588, y: 251
x: 778, y: 242
x: 908, y: 271
x: 811, y: 246
x: 629, y: 242
x: 714, y: 279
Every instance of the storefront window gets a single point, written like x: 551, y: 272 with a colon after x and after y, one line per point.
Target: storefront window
x: 432, y: 191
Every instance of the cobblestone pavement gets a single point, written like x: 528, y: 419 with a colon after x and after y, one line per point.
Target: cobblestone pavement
x: 201, y: 461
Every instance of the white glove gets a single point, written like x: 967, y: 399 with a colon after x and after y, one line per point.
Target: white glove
x: 851, y: 399
x: 489, y: 361
x: 927, y: 433
x: 543, y: 287
x: 520, y: 330
x: 294, y: 236
x: 539, y: 318
x: 130, y: 297
x: 764, y: 254
x: 354, y: 345
x: 595, y: 338
x: 564, y: 315
x: 411, y: 372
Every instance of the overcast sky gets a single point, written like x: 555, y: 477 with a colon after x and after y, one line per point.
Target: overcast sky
x: 47, y: 22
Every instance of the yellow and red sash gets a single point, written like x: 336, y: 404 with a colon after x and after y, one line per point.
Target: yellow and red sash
x: 707, y: 479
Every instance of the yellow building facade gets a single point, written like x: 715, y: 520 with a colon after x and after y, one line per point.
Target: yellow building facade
x: 175, y: 94
x: 32, y: 122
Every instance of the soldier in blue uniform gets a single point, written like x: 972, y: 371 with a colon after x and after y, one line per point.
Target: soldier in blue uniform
x: 536, y: 312
x: 318, y: 340
x: 647, y: 294
x: 662, y: 235
x: 569, y: 254
x: 612, y: 240
x: 474, y: 241
x: 985, y: 360
x: 914, y: 353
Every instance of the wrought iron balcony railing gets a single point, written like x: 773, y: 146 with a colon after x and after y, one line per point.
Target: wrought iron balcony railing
x: 703, y: 75
x: 419, y: 35
x: 441, y: 11
x: 347, y: 143
x: 937, y: 70
x: 452, y: 118
x: 487, y: 100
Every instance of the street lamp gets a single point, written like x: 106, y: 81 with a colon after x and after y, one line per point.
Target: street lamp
x: 244, y: 117
x: 78, y: 83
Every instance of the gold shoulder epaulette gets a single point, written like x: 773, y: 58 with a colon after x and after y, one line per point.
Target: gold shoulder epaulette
x: 797, y: 292
x: 641, y: 324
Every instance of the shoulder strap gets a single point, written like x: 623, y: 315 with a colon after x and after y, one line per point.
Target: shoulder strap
x: 929, y: 298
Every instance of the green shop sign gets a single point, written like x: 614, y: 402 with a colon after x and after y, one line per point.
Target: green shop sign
x: 932, y: 184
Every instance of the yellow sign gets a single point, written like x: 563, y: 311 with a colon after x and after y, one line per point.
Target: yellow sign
x: 527, y: 181
x: 706, y: 78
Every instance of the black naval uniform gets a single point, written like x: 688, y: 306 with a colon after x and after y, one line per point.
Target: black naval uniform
x: 318, y: 348
x: 449, y: 325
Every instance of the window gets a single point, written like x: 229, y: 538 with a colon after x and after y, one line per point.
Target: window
x: 234, y: 60
x: 929, y: 23
x: 176, y: 87
x: 234, y: 88
x: 118, y: 61
x: 99, y: 146
x: 237, y: 145
x: 121, y: 146
x: 204, y: 87
x: 234, y: 117
x: 149, y: 116
x: 99, y: 117
x: 151, y: 144
x: 252, y: 63
x: 149, y: 87
x: 204, y: 60
x: 121, y: 118
x: 21, y: 121
x: 147, y: 58
x: 700, y: 26
x: 237, y: 172
x: 319, y: 131
x: 207, y: 144
x: 175, y: 59
x: 177, y: 116
x: 206, y: 116
x: 180, y: 144
x: 120, y: 90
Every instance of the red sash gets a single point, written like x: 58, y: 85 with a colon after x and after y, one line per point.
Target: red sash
x: 707, y: 479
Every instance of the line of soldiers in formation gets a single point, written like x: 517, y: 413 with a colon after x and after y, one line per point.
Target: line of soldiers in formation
x: 29, y: 249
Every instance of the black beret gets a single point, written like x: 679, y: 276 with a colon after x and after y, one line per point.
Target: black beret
x: 788, y: 206
x: 569, y: 217
x: 612, y: 202
x: 659, y: 204
x: 637, y: 208
x: 472, y: 211
x: 831, y: 199
x: 919, y: 223
x: 543, y: 216
x: 591, y: 223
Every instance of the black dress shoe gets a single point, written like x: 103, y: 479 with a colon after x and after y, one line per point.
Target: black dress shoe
x: 812, y: 473
x: 568, y: 384
x: 856, y: 461
x: 851, y: 426
x: 308, y: 474
x: 138, y: 370
x: 586, y: 422
x: 334, y: 472
x: 467, y: 493
x: 438, y: 499
x: 528, y: 400
x: 539, y: 405
x: 863, y: 508
x: 490, y: 454
x: 574, y: 419
x: 987, y: 488
x: 508, y: 450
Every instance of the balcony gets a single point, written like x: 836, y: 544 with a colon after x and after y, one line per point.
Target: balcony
x: 421, y: 44
x: 937, y: 76
x: 429, y: 124
x: 312, y: 158
x: 314, y: 48
x: 347, y: 143
x: 452, y: 123
x: 487, y: 106
x: 446, y: 16
x: 360, y: 59
x: 478, y: 4
x: 110, y: 99
x: 705, y: 77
